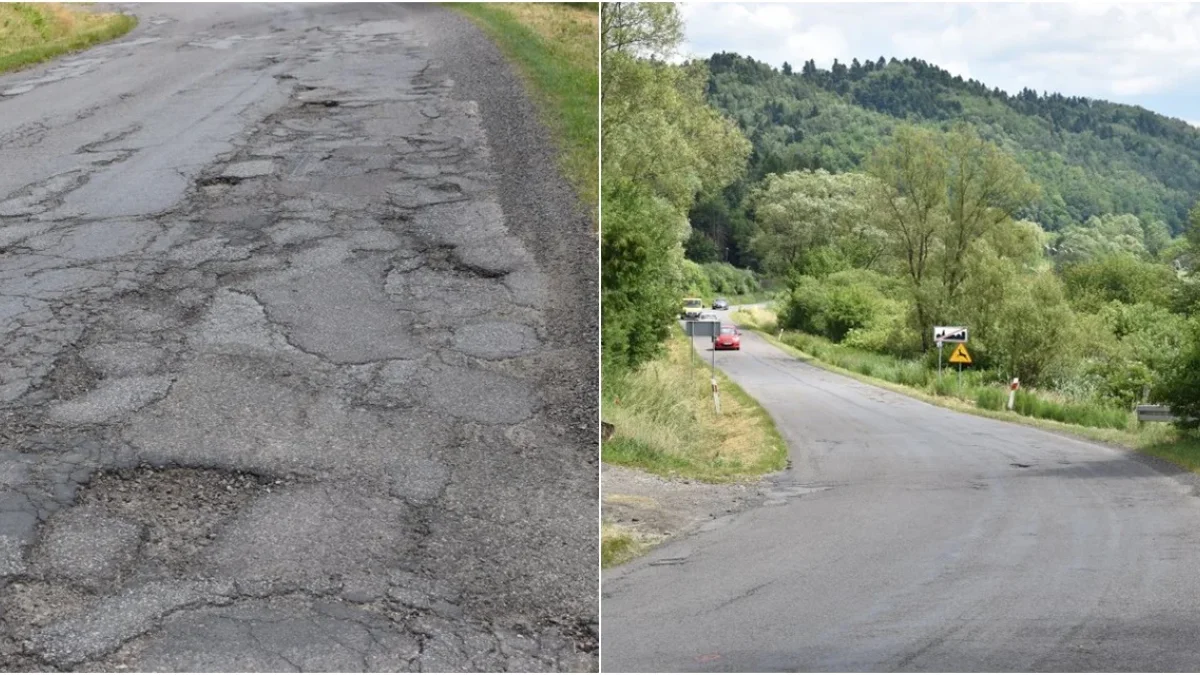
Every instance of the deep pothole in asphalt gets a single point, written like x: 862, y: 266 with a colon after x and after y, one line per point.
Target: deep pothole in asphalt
x: 179, y: 510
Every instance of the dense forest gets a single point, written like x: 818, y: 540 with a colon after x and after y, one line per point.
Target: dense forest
x: 1088, y: 157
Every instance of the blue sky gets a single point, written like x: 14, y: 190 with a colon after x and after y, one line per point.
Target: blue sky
x: 1143, y: 54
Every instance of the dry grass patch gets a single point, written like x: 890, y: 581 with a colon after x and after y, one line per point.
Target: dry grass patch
x: 574, y: 30
x: 665, y: 423
x: 756, y: 318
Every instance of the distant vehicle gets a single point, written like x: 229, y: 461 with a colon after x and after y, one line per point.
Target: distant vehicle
x: 730, y: 338
x: 692, y: 307
x: 720, y: 303
x: 709, y: 316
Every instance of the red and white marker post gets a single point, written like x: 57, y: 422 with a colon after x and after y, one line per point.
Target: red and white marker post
x: 1012, y: 391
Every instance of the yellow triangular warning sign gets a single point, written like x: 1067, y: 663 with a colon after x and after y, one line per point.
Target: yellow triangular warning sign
x: 960, y: 355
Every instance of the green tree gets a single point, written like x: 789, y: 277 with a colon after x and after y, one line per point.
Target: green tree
x: 911, y: 172
x: 639, y: 274
x: 1102, y: 236
x: 1193, y: 229
x: 1181, y: 387
x: 1121, y: 277
x: 641, y: 29
x: 803, y: 213
x: 941, y: 198
x: 663, y: 146
x: 1032, y: 328
x: 986, y: 189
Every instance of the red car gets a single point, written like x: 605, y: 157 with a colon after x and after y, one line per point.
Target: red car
x: 730, y: 338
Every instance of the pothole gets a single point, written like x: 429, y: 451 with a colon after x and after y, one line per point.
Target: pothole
x: 214, y: 181
x: 28, y: 605
x: 181, y: 509
x: 446, y: 258
x: 71, y: 376
x: 1018, y: 465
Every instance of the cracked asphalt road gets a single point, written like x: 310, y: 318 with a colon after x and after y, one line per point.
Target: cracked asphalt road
x: 908, y: 537
x: 298, y: 368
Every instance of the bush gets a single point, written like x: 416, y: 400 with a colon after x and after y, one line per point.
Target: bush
x: 725, y: 279
x: 1180, y: 388
x: 849, y: 303
x: 1083, y: 414
x: 913, y: 374
x: 638, y: 275
x: 1122, y: 277
x: 991, y: 398
x: 695, y: 281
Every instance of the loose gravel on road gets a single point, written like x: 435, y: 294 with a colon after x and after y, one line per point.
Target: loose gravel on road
x: 298, y: 368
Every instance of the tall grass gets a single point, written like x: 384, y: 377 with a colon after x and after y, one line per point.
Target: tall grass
x: 665, y: 423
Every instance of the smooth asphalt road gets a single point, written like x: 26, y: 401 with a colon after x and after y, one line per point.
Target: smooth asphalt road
x: 910, y: 537
x: 296, y: 371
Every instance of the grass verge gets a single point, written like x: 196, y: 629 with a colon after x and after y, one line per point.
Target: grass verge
x: 1113, y: 427
x: 31, y: 33
x: 619, y: 544
x: 556, y: 48
x: 664, y: 422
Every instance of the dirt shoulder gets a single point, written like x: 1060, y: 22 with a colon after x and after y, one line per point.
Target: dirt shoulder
x: 651, y: 509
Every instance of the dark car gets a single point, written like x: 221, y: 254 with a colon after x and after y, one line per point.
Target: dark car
x: 720, y: 303
x: 730, y: 338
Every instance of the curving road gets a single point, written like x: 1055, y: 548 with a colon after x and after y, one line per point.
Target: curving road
x: 293, y: 374
x: 910, y: 537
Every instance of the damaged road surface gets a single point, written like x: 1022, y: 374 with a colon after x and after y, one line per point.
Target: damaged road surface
x: 298, y: 358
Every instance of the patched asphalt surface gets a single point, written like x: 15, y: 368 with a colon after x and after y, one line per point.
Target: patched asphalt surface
x: 298, y: 368
x: 908, y: 537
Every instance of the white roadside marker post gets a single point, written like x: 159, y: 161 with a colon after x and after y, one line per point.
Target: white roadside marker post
x: 1012, y: 392
x: 716, y: 396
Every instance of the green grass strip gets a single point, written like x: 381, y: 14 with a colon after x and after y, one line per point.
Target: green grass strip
x: 30, y: 56
x: 563, y: 76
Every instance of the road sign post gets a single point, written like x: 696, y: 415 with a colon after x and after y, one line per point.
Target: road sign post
x: 944, y: 334
x: 716, y: 396
x: 939, y: 344
x: 950, y: 333
x: 709, y: 329
x: 960, y: 356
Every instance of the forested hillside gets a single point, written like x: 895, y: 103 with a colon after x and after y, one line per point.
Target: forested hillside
x: 1088, y: 157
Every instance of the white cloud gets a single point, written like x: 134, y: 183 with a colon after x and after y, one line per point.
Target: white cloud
x: 1115, y: 51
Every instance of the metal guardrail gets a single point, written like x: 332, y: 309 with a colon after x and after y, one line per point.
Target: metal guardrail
x: 1155, y: 413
